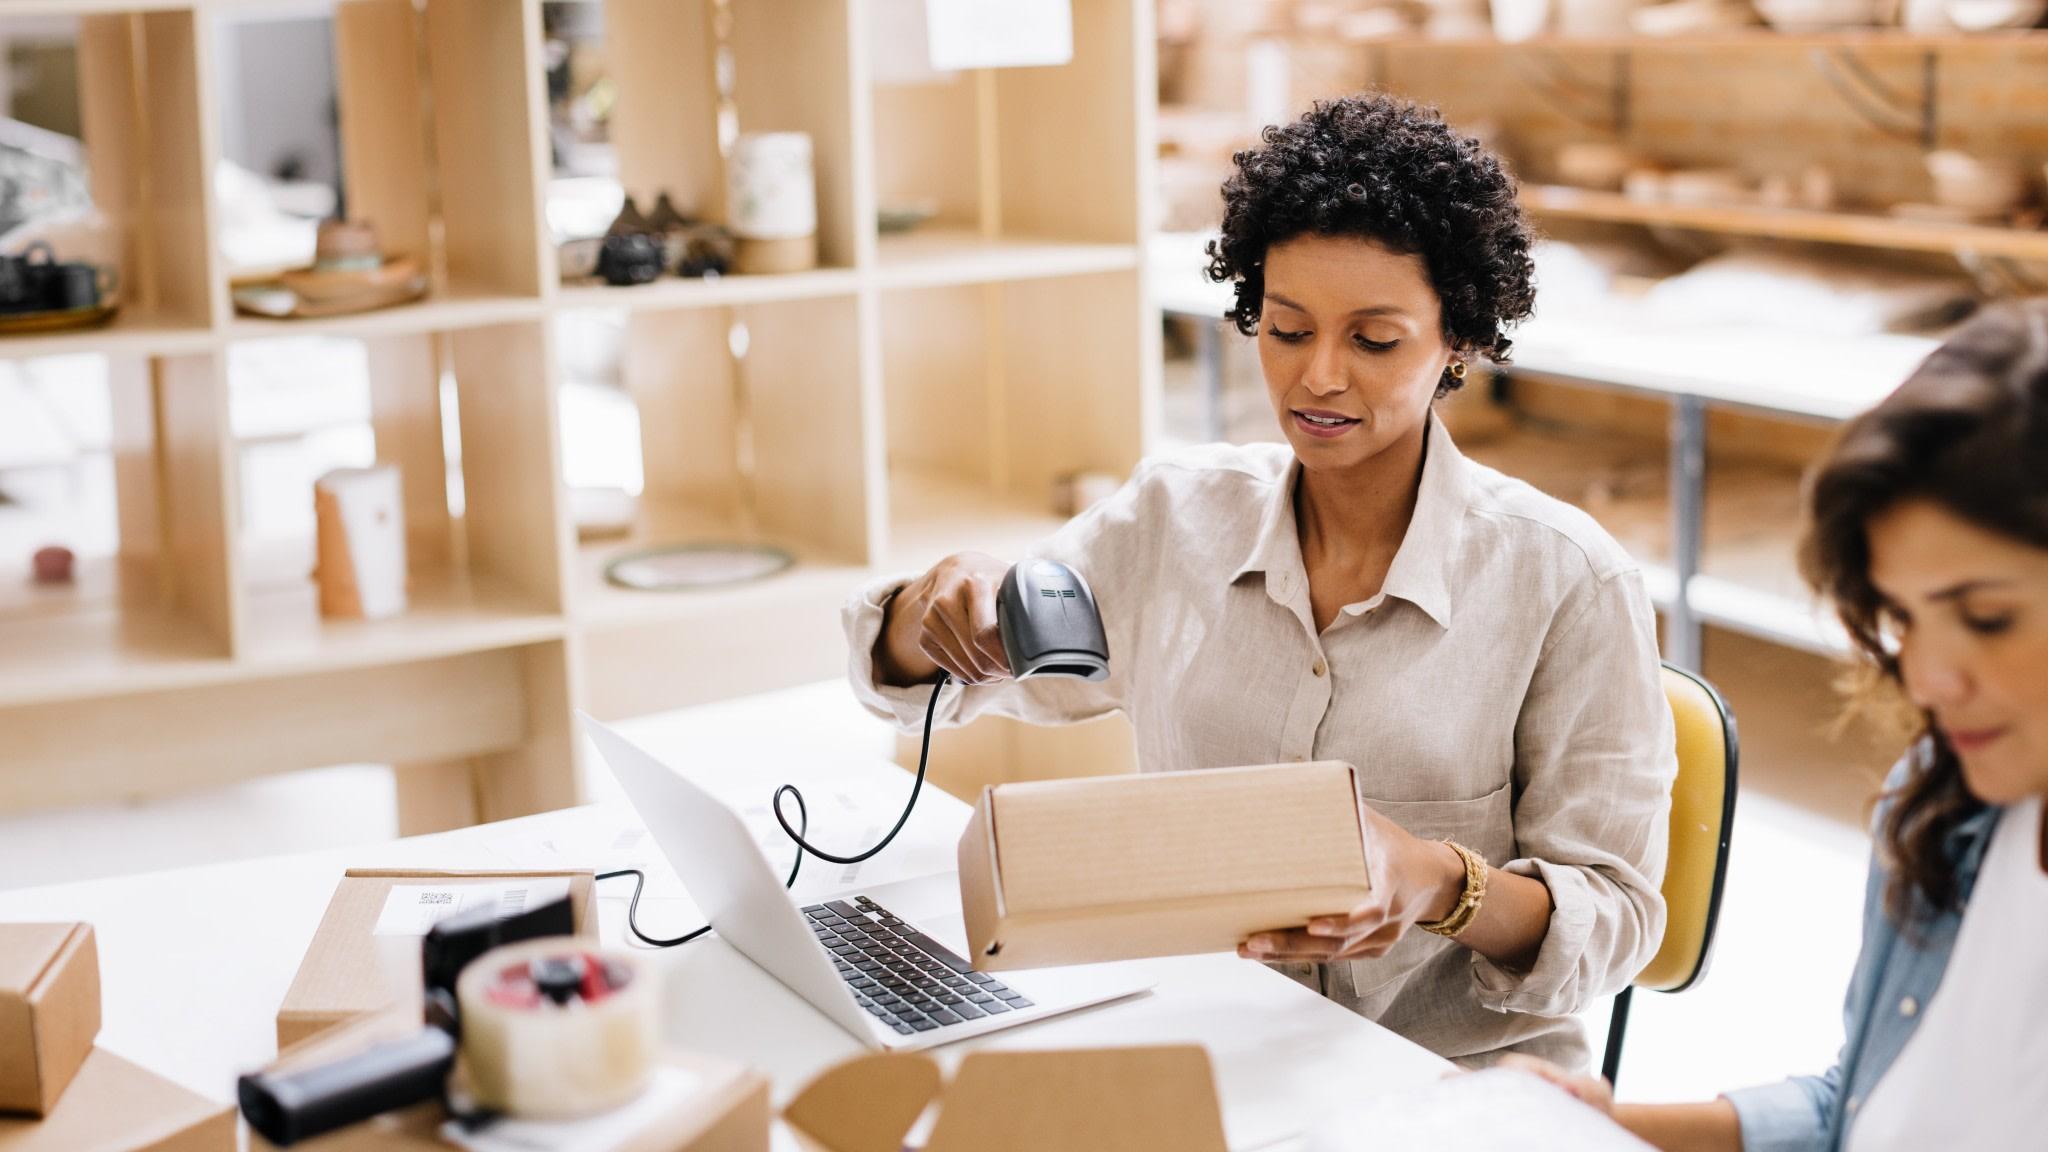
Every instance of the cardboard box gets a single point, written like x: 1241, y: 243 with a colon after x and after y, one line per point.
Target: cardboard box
x: 1098, y: 1100
x: 351, y: 969
x: 727, y: 1111
x: 1165, y: 864
x: 49, y: 1011
x: 116, y: 1106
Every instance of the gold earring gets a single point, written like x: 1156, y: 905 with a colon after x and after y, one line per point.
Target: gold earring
x: 1457, y: 369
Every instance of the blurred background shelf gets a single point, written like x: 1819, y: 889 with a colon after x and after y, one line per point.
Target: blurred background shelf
x: 940, y: 257
x: 127, y: 334
x: 722, y: 291
x: 1862, y: 230
x: 1727, y: 40
x: 435, y: 314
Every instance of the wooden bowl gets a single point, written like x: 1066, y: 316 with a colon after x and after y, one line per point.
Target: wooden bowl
x: 1800, y: 16
x: 1973, y: 184
x: 319, y: 287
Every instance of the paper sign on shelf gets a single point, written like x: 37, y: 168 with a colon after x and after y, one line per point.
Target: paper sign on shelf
x: 999, y: 33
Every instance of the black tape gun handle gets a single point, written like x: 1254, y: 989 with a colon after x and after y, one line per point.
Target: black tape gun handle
x: 1050, y: 624
x: 292, y: 1106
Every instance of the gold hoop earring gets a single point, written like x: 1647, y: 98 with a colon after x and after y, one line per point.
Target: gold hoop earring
x: 1456, y: 370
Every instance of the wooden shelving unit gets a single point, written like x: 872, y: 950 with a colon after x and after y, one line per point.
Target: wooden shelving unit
x: 1734, y: 39
x: 197, y: 657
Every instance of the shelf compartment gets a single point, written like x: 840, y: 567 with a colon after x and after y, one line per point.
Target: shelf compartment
x: 810, y: 491
x: 1860, y: 230
x: 441, y: 139
x: 143, y: 110
x: 652, y: 651
x: 999, y: 153
x: 485, y: 572
x: 64, y: 644
x: 791, y: 73
x: 1007, y: 387
x: 162, y: 607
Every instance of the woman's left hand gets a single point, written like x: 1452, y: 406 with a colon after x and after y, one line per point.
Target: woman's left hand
x: 1413, y: 880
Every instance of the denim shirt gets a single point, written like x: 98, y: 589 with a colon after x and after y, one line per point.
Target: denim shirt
x: 1895, y: 978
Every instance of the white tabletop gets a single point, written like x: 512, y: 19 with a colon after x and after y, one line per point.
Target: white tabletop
x: 195, y: 962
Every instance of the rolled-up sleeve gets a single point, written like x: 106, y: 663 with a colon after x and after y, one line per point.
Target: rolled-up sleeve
x: 1594, y: 759
x: 1789, y: 1116
x: 1108, y: 546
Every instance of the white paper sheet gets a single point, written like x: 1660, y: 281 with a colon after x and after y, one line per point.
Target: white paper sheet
x: 412, y: 909
x: 1500, y: 1110
x: 999, y: 33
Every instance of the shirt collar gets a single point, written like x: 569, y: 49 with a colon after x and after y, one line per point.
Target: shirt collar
x: 1418, y: 573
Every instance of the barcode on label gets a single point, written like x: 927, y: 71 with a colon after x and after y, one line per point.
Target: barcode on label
x: 513, y: 901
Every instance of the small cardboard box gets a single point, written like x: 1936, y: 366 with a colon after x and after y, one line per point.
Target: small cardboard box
x: 49, y: 1011
x: 1084, y: 1100
x: 727, y: 1108
x: 352, y: 968
x: 1165, y: 864
x: 116, y: 1106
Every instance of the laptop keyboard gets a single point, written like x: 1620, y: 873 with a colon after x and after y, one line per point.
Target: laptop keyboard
x: 901, y: 976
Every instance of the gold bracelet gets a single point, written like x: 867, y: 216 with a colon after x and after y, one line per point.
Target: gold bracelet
x: 1467, y: 908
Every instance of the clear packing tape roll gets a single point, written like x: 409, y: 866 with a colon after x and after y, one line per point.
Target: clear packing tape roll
x: 555, y: 1029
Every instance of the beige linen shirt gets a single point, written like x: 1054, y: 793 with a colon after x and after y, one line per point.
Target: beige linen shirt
x: 1502, y: 690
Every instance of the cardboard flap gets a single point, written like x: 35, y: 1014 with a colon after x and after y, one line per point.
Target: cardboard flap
x: 348, y: 969
x: 28, y: 952
x: 116, y: 1104
x: 1103, y: 1100
x: 864, y: 1105
x: 1086, y: 1100
x: 1173, y: 834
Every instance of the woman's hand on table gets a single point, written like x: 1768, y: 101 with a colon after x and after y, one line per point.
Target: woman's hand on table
x: 946, y: 619
x: 1413, y: 880
x: 1590, y: 1090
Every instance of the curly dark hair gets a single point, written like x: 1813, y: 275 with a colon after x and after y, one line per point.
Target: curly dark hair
x: 1969, y: 431
x: 1392, y: 171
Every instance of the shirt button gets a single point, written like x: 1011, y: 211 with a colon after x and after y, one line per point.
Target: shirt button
x: 1320, y: 668
x: 1909, y: 1006
x: 1851, y: 1106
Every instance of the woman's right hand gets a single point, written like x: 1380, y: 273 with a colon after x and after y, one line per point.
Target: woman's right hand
x: 945, y: 619
x: 1590, y: 1090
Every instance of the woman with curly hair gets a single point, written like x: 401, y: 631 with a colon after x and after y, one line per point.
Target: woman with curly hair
x: 1484, y: 655
x: 1930, y: 535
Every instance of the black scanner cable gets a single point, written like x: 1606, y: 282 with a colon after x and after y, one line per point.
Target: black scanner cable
x: 797, y: 833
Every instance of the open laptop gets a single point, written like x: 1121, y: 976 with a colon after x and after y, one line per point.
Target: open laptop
x: 893, y: 982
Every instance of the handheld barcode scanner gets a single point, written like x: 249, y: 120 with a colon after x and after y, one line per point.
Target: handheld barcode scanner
x: 1050, y: 624
x: 1050, y: 627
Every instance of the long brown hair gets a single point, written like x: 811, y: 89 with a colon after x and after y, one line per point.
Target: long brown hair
x: 1969, y: 431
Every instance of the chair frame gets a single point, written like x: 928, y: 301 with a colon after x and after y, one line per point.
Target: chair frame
x: 1617, y: 1027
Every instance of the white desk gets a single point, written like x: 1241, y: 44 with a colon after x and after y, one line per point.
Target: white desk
x: 195, y: 962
